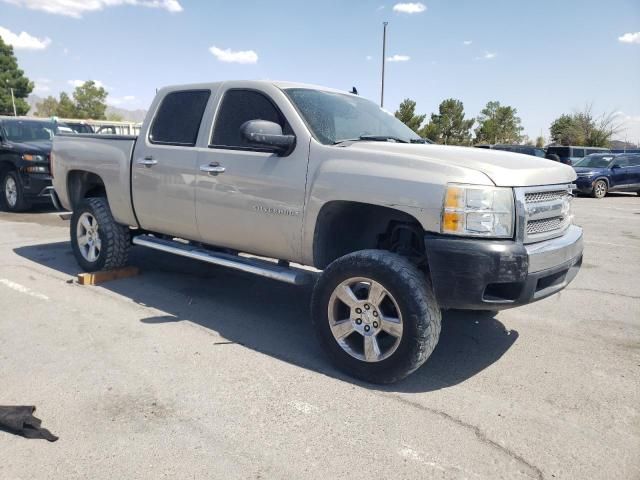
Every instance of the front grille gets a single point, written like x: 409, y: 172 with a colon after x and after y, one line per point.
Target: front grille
x: 545, y: 210
x: 535, y: 197
x: 545, y: 225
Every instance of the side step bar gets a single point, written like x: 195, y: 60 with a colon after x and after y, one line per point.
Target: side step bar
x: 250, y: 265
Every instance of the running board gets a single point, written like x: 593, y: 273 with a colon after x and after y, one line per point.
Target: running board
x: 260, y: 267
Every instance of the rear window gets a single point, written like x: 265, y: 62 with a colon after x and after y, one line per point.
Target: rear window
x: 560, y: 151
x: 578, y: 152
x: 178, y: 119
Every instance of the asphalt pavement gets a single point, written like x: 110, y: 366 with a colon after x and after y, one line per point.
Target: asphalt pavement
x: 193, y: 371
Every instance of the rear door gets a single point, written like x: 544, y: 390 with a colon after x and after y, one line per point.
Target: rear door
x: 256, y: 203
x: 164, y: 168
x: 620, y: 172
x: 634, y: 172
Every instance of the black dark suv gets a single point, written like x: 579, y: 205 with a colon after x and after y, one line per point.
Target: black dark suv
x: 25, y: 146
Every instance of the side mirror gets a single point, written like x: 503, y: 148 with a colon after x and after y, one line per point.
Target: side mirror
x: 615, y: 166
x: 267, y: 135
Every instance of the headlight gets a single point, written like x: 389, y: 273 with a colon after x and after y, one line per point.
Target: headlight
x: 474, y: 210
x: 29, y: 157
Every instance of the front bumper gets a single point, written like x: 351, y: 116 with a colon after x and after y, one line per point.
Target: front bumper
x: 36, y: 186
x: 481, y: 274
x: 585, y: 184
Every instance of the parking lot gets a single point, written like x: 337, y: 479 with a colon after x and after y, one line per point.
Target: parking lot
x: 193, y: 371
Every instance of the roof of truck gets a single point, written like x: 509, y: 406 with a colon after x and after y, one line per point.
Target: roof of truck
x: 254, y: 83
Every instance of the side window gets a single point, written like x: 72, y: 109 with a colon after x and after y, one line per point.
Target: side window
x: 178, y: 118
x: 634, y: 161
x: 237, y: 107
x: 578, y: 152
x: 622, y: 161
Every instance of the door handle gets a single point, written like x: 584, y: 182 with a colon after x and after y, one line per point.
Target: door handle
x: 146, y: 162
x: 212, y: 169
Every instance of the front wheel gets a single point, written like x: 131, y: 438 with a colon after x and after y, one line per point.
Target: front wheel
x: 98, y: 242
x: 375, y: 315
x: 599, y: 189
x: 13, y: 198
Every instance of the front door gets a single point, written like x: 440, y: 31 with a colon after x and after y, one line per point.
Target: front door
x: 165, y: 166
x: 253, y: 200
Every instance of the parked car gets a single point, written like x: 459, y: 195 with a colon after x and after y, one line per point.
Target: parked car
x: 25, y: 145
x: 602, y: 173
x: 524, y: 149
x: 330, y: 180
x: 79, y: 127
x: 571, y: 154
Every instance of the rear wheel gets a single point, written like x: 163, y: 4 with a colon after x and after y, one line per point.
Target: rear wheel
x: 13, y: 198
x: 599, y: 189
x: 375, y: 315
x: 98, y: 242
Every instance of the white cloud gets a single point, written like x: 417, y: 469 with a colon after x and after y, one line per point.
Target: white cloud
x: 380, y: 8
x: 487, y: 56
x: 630, y: 127
x: 467, y: 42
x: 41, y: 85
x: 76, y: 8
x: 409, y: 8
x: 398, y: 58
x: 630, y: 38
x: 128, y: 98
x: 369, y: 57
x: 79, y: 83
x: 24, y: 41
x: 230, y: 56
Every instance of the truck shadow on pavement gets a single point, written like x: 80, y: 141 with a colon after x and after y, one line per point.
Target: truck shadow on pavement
x: 273, y: 318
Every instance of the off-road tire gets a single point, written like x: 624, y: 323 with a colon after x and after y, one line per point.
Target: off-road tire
x: 600, y: 189
x: 115, y: 238
x: 21, y: 204
x: 416, y: 301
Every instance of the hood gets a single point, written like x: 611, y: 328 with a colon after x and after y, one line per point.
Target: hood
x: 593, y: 170
x: 38, y: 146
x: 505, y: 169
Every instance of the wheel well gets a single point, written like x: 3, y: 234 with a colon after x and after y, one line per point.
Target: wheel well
x: 84, y: 184
x: 345, y: 227
x: 6, y: 166
x: 602, y: 178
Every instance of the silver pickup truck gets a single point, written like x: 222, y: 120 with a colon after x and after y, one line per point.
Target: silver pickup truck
x: 295, y: 173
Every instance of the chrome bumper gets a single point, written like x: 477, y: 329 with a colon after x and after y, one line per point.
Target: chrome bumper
x: 557, y: 251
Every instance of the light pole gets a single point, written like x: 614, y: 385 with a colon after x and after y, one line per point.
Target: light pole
x: 384, y: 59
x: 13, y: 100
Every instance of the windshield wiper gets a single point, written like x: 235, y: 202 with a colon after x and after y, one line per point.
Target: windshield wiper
x: 373, y: 138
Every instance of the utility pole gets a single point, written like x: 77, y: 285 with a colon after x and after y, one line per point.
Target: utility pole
x: 384, y: 59
x: 13, y: 100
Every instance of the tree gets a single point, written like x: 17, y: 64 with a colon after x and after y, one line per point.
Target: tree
x: 11, y: 77
x: 498, y: 124
x: 540, y: 142
x: 67, y: 108
x: 47, y: 107
x: 90, y: 100
x: 584, y: 128
x: 406, y: 113
x: 449, y: 125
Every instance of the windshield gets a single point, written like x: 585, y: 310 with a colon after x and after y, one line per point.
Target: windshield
x: 28, y: 130
x: 595, y: 161
x: 335, y: 117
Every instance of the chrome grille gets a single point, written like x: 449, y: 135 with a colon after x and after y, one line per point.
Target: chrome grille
x: 535, y: 197
x: 544, y: 212
x: 544, y: 225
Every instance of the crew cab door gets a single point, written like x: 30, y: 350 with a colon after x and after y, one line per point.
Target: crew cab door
x: 164, y: 165
x: 249, y: 199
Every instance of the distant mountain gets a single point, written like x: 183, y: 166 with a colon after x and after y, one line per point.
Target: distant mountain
x: 126, y: 115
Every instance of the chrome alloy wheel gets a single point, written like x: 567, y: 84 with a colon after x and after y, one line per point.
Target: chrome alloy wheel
x: 365, y: 319
x: 88, y: 237
x: 601, y: 189
x: 11, y: 191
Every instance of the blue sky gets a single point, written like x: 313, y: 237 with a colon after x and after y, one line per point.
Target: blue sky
x: 544, y: 57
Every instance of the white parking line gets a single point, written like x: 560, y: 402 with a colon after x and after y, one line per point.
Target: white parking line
x: 22, y: 289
